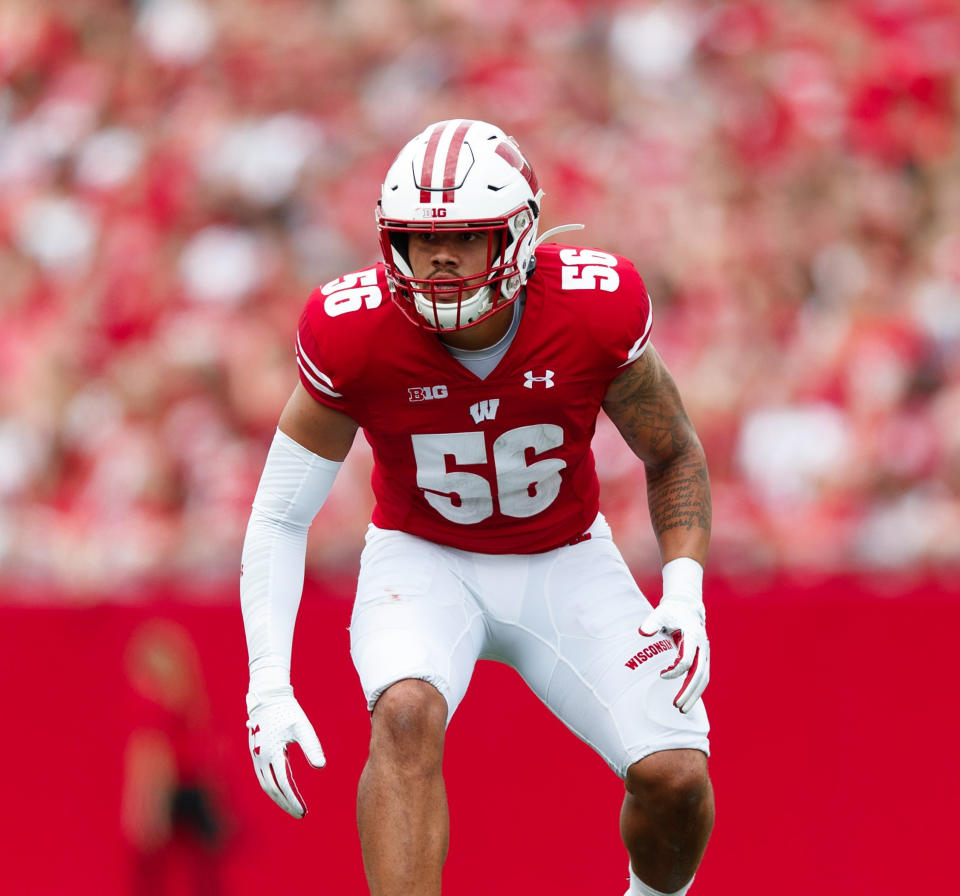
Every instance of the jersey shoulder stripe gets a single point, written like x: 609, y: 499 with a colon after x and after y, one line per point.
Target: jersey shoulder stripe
x: 316, y: 377
x: 640, y: 346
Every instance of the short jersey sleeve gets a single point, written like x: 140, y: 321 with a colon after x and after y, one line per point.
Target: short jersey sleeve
x: 640, y: 321
x: 634, y: 314
x: 606, y: 295
x: 317, y: 368
x: 338, y: 328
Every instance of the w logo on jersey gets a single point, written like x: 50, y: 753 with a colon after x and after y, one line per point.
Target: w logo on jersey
x: 484, y: 410
x: 547, y: 379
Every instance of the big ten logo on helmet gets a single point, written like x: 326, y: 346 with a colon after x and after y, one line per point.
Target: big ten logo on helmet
x: 427, y: 393
x: 426, y: 211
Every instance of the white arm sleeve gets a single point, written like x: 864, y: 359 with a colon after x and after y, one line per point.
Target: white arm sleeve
x: 294, y: 484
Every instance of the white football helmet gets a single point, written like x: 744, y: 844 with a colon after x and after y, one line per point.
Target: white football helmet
x: 460, y: 176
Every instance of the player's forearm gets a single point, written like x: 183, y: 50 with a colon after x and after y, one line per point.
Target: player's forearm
x: 293, y: 487
x: 678, y: 494
x: 646, y: 407
x: 271, y: 583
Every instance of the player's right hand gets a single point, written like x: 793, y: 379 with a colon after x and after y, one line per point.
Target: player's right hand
x: 275, y: 719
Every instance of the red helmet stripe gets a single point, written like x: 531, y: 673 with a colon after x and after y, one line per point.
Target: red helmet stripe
x: 426, y: 175
x: 453, y: 156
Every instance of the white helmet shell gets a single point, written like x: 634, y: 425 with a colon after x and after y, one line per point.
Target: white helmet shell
x: 460, y: 175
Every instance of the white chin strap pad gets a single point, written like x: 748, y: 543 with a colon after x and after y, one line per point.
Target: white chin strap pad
x: 446, y: 314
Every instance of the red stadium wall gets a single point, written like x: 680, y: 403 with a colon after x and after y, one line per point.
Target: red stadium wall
x: 823, y: 699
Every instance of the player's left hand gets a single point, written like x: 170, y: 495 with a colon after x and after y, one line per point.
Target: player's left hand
x: 685, y: 619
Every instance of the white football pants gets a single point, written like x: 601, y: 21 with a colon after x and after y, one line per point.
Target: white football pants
x: 567, y: 620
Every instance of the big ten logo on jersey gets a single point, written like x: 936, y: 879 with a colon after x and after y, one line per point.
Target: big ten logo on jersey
x: 427, y: 393
x: 588, y: 269
x: 352, y: 292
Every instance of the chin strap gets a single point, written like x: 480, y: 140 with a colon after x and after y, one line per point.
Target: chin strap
x: 553, y: 230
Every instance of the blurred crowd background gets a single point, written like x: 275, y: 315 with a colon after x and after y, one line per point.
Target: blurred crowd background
x: 177, y: 175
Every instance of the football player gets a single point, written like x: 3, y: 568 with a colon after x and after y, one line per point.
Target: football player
x: 476, y: 358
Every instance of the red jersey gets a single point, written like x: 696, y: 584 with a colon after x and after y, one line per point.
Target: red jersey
x: 500, y: 465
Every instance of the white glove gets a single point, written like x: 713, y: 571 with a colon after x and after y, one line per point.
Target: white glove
x: 275, y: 720
x: 684, y: 618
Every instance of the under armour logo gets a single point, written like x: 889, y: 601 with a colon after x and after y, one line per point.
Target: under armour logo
x: 547, y: 379
x: 253, y: 733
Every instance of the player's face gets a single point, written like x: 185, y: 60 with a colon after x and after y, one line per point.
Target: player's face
x: 439, y: 256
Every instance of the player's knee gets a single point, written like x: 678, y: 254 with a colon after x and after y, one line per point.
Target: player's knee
x: 674, y: 780
x: 409, y: 723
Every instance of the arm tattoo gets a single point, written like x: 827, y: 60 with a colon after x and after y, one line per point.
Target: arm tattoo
x: 679, y: 497
x: 646, y: 407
